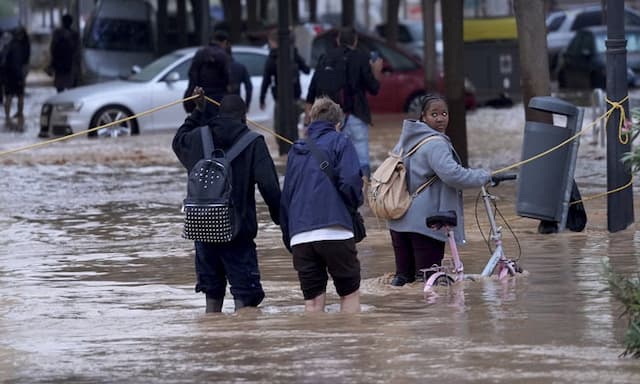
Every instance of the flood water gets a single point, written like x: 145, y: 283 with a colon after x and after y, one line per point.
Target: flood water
x: 96, y: 284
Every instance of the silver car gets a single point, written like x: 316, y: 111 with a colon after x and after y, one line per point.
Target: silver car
x: 159, y: 83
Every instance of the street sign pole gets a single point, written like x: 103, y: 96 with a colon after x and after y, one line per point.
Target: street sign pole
x: 619, y: 204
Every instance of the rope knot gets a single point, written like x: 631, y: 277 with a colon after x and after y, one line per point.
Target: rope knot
x: 624, y: 126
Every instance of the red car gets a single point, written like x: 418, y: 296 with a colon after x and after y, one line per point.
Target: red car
x: 402, y: 83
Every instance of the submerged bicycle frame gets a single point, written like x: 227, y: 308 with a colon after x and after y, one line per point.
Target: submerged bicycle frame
x: 454, y: 271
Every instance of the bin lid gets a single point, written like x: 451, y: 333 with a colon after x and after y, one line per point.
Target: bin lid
x: 553, y: 105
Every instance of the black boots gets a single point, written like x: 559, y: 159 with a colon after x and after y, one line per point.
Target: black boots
x: 399, y: 280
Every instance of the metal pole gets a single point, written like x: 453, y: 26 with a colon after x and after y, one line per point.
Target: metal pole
x: 284, y: 122
x: 619, y: 204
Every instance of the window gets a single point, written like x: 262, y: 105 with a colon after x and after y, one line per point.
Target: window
x: 554, y: 22
x: 254, y: 62
x: 587, y: 19
x: 182, y: 69
x: 152, y: 70
x: 120, y: 34
x: 396, y: 60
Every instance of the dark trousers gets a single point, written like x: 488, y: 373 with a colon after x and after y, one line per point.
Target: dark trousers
x: 414, y: 251
x: 236, y: 262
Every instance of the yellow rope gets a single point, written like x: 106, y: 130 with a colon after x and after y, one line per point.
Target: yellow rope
x: 618, y: 105
x: 47, y: 142
x: 605, y: 193
x: 256, y: 124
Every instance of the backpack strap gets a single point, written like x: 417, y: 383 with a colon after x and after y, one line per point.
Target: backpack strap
x: 207, y: 141
x: 430, y: 180
x: 241, y: 144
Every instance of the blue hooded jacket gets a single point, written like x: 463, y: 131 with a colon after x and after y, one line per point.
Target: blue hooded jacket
x: 310, y: 200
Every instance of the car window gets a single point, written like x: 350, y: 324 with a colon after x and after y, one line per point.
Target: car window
x: 600, y: 46
x: 182, y: 69
x: 397, y: 60
x: 119, y: 34
x: 587, y: 19
x: 254, y: 62
x: 631, y: 18
x: 587, y: 43
x: 554, y: 22
x: 152, y: 70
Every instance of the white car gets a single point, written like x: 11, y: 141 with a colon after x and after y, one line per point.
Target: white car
x: 159, y: 83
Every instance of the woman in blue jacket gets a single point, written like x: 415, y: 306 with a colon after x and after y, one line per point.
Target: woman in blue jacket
x: 316, y: 224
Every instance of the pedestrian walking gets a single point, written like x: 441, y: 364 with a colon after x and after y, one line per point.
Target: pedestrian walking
x: 320, y: 236
x: 352, y: 70
x: 210, y: 71
x: 270, y: 80
x: 65, y: 55
x: 235, y: 261
x: 5, y: 39
x: 15, y: 71
x: 414, y: 244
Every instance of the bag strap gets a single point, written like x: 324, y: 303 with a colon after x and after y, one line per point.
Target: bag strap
x: 424, y: 141
x: 241, y: 144
x: 433, y: 178
x: 327, y: 168
x: 207, y: 141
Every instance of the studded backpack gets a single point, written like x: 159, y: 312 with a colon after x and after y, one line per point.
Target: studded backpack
x: 209, y: 211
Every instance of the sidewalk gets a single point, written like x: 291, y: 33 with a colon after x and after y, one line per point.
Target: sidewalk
x: 38, y: 78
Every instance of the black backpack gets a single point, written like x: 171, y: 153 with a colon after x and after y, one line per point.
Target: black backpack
x: 209, y: 212
x: 331, y: 77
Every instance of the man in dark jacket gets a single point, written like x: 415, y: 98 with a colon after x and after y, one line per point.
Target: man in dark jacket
x: 320, y: 236
x: 235, y: 261
x: 239, y: 75
x: 270, y: 80
x: 362, y: 77
x: 210, y: 70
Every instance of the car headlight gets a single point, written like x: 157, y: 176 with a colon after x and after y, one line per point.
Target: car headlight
x: 67, y: 107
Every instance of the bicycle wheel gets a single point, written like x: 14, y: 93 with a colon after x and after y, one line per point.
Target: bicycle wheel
x: 443, y: 281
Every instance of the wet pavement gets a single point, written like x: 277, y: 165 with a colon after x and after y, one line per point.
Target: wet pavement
x: 96, y: 284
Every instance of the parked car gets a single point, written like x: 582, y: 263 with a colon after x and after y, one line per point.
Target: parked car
x: 583, y: 64
x: 159, y: 83
x: 402, y: 83
x: 562, y: 26
x: 410, y: 37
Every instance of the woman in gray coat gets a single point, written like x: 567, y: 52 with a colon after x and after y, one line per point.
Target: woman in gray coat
x: 416, y: 246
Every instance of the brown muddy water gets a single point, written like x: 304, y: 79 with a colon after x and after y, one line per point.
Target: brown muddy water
x: 96, y: 284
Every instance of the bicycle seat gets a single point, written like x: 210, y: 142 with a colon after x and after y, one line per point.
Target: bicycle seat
x: 441, y: 219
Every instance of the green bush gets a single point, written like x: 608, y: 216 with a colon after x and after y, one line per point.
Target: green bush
x: 627, y: 291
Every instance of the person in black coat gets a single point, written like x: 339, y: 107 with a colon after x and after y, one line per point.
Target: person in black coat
x: 235, y: 261
x: 16, y: 67
x: 270, y: 80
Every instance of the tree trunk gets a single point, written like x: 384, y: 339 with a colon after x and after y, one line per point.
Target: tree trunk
x: 452, y: 38
x: 429, y: 34
x: 348, y: 13
x: 233, y: 13
x: 162, y: 27
x: 532, y: 39
x: 295, y: 13
x: 182, y: 23
x: 264, y: 9
x: 201, y: 20
x: 313, y: 11
x: 252, y: 15
x: 391, y: 26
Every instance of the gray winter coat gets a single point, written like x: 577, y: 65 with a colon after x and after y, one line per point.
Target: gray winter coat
x: 436, y: 157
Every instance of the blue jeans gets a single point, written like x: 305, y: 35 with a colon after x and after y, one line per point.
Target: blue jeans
x: 358, y: 132
x: 237, y: 262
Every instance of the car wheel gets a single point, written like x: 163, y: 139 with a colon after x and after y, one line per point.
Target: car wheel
x: 110, y: 114
x: 414, y: 105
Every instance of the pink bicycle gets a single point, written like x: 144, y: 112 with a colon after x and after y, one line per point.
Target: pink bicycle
x: 452, y: 270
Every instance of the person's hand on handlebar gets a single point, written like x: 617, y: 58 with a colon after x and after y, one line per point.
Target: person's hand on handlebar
x: 498, y: 178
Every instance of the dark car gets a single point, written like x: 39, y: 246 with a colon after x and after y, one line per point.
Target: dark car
x: 562, y: 26
x: 583, y: 64
x: 402, y: 83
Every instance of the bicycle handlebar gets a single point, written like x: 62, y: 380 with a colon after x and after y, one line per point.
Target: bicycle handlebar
x: 497, y: 179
